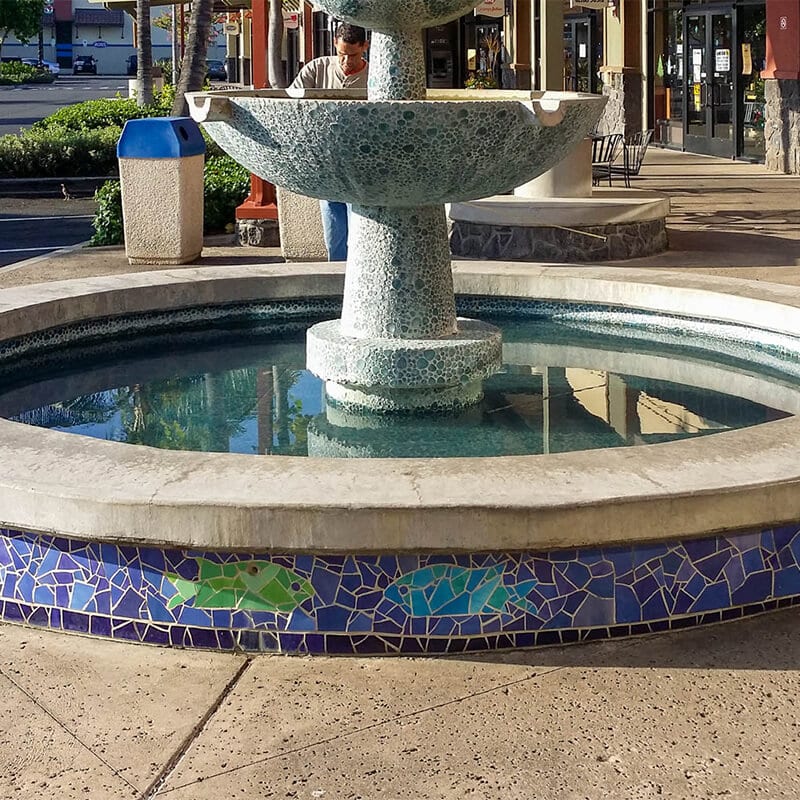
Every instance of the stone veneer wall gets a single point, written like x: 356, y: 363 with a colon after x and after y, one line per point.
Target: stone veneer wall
x: 558, y: 245
x: 623, y: 112
x: 782, y: 129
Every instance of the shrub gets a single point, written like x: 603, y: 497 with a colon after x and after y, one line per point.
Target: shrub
x: 59, y: 153
x: 107, y: 221
x: 80, y: 140
x: 225, y: 185
x: 90, y: 115
x: 15, y: 72
x: 94, y: 114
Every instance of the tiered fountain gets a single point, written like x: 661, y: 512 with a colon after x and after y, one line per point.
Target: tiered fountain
x: 398, y: 157
x: 389, y: 555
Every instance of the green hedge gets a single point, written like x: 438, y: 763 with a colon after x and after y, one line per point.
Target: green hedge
x: 15, y: 72
x: 79, y: 140
x: 95, y: 114
x: 225, y: 186
x: 59, y: 153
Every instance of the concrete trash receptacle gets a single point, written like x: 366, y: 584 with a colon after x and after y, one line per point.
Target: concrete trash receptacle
x: 161, y: 174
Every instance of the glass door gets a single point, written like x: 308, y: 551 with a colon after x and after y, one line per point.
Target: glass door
x: 709, y: 72
x: 582, y: 53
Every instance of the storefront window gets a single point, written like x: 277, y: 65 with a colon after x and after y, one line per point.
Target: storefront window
x: 583, y: 52
x: 752, y: 34
x: 668, y: 80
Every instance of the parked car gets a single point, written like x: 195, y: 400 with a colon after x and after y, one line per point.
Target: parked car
x: 215, y: 70
x: 84, y: 64
x: 131, y: 64
x: 53, y: 68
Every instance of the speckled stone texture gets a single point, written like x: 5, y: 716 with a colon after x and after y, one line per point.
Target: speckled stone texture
x: 399, y: 153
x: 398, y: 282
x: 391, y: 15
x: 162, y: 209
x: 397, y: 66
x: 398, y: 330
x: 441, y: 366
x: 558, y: 245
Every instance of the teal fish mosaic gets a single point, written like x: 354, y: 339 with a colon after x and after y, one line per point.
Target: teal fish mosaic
x: 446, y: 590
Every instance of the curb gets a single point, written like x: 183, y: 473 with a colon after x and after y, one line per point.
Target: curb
x: 51, y: 187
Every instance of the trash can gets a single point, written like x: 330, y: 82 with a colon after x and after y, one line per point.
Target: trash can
x: 161, y: 175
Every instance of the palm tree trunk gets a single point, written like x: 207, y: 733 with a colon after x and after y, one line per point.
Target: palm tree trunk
x: 193, y: 67
x: 275, y: 71
x: 144, y: 54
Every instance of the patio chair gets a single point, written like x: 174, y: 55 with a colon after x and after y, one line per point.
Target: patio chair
x: 604, y: 151
x: 633, y: 155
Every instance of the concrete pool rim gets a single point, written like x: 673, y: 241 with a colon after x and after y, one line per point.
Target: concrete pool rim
x: 92, y: 490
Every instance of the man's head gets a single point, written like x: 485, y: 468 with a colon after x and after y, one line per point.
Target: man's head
x: 350, y: 44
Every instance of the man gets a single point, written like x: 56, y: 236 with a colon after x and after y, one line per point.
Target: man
x: 346, y: 70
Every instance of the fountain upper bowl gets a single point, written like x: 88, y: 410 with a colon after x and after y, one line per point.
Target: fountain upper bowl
x: 391, y: 15
x: 452, y: 147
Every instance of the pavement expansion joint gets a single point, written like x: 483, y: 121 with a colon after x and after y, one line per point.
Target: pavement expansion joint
x: 175, y: 759
x: 503, y: 687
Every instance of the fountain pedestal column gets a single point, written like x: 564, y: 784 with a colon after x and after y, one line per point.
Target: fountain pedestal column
x: 398, y: 345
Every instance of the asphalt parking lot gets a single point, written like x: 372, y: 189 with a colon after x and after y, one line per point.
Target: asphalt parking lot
x: 31, y: 227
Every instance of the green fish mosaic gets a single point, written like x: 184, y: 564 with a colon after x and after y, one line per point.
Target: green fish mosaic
x: 446, y: 590
x: 254, y: 585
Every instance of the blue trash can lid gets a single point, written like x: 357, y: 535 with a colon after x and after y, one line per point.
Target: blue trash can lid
x: 160, y: 137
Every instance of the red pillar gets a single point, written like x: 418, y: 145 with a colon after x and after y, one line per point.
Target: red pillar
x: 783, y: 40
x: 261, y: 202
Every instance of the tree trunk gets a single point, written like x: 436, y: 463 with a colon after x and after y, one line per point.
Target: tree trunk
x: 275, y: 71
x: 193, y: 66
x: 144, y: 54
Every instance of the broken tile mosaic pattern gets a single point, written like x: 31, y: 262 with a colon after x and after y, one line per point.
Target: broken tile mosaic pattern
x: 416, y: 603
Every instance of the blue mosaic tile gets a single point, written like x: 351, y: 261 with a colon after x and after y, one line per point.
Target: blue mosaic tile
x: 390, y: 603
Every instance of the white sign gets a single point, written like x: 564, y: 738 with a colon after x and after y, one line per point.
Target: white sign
x: 491, y: 8
x: 697, y: 56
x: 231, y: 28
x: 291, y: 20
x: 722, y: 61
x: 582, y: 50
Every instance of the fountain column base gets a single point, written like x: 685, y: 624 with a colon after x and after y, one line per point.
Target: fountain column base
x: 385, y: 375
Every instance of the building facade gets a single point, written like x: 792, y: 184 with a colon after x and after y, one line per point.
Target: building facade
x: 73, y: 28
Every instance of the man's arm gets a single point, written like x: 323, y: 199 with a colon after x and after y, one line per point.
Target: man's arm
x: 308, y: 77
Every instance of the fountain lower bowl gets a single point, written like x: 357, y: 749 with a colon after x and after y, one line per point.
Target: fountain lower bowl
x: 449, y: 148
x: 618, y: 542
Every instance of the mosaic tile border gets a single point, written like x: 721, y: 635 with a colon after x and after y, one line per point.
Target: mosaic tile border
x: 736, y: 340
x: 386, y: 603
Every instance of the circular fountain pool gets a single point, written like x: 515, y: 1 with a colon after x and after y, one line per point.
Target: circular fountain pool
x: 415, y: 554
x: 575, y: 377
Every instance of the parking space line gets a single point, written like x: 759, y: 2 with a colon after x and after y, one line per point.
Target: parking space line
x: 38, y: 219
x: 36, y: 259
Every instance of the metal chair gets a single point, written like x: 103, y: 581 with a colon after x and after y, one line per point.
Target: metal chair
x: 604, y: 151
x: 634, y: 152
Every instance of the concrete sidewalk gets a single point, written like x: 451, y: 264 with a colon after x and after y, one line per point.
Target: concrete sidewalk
x: 700, y: 714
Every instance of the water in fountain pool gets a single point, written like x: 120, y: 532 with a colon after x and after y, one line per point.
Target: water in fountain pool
x: 565, y: 385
